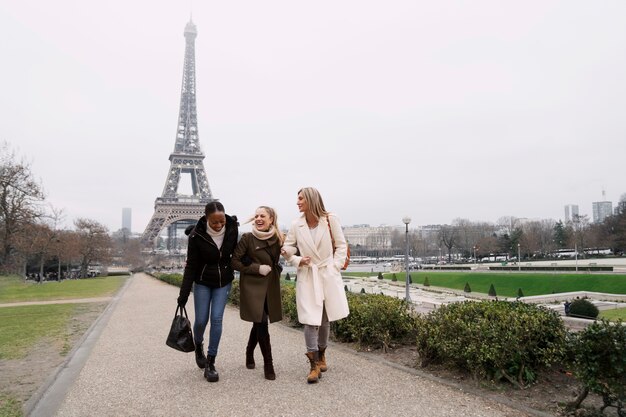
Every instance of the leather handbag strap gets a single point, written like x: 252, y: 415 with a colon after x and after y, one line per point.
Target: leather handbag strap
x: 332, y: 239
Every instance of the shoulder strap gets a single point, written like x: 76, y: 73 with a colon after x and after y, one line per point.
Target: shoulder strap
x: 330, y: 229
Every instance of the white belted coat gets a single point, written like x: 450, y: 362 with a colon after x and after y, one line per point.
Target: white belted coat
x: 320, y: 283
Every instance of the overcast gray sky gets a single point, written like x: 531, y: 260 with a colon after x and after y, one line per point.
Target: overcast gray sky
x: 432, y: 109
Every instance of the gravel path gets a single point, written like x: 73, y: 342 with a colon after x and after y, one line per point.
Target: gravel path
x: 129, y: 371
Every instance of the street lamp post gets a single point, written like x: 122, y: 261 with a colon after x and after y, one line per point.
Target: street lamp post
x: 406, y: 220
x: 519, y: 265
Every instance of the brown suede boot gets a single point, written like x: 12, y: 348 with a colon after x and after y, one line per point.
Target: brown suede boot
x: 322, y: 361
x: 314, y: 373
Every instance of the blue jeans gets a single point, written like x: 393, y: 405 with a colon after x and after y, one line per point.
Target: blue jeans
x: 209, y: 301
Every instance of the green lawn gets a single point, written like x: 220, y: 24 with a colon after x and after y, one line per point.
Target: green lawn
x: 23, y: 326
x: 614, y: 315
x: 14, y: 289
x: 507, y: 283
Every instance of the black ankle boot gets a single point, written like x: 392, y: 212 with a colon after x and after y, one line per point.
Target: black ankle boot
x: 210, y: 373
x: 200, y: 358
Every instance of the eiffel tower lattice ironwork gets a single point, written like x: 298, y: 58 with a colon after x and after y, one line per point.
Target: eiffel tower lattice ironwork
x: 186, y: 158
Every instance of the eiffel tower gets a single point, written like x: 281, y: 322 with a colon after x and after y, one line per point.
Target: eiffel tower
x: 173, y: 210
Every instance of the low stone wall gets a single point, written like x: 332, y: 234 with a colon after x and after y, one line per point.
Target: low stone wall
x: 583, y: 268
x: 565, y: 296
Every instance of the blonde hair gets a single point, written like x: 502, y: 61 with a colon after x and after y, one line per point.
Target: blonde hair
x: 314, y: 200
x: 272, y: 213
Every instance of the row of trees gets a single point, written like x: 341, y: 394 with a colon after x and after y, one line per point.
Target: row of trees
x: 536, y: 239
x: 30, y: 233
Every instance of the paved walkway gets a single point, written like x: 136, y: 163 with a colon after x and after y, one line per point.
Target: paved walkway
x: 124, y: 368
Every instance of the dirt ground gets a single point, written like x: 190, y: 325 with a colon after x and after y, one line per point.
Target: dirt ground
x: 553, y: 391
x: 20, y: 378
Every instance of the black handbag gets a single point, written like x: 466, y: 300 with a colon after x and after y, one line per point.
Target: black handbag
x: 180, y: 336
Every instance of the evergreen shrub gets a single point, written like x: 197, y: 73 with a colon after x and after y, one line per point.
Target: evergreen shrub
x: 492, y: 339
x: 583, y: 308
x: 233, y: 297
x: 520, y: 293
x: 173, y: 279
x: 287, y: 277
x: 375, y: 320
x: 467, y: 287
x: 426, y: 281
x: 492, y: 291
x: 598, y: 356
x: 290, y: 311
x: 380, y: 275
x: 394, y: 277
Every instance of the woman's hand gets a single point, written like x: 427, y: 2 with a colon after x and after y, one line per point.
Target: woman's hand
x: 264, y: 269
x: 305, y: 261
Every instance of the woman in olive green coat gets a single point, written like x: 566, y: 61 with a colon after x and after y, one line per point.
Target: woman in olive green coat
x: 256, y: 257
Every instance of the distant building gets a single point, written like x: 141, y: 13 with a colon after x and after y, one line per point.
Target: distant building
x: 126, y: 219
x: 601, y: 210
x: 571, y: 210
x: 377, y: 237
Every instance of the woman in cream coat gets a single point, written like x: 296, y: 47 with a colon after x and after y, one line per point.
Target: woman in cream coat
x: 320, y: 294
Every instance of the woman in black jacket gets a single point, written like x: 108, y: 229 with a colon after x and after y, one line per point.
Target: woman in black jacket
x: 209, y: 251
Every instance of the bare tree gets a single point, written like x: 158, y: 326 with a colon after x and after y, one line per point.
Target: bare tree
x: 579, y: 226
x: 448, y: 236
x: 95, y: 244
x: 20, y: 204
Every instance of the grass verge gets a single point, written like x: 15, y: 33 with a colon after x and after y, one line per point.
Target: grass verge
x: 9, y: 406
x: 15, y: 289
x: 614, y: 315
x: 24, y: 326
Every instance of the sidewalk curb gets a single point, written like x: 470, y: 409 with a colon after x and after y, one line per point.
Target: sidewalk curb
x: 49, y: 396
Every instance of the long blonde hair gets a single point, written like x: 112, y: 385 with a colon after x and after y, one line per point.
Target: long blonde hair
x: 314, y: 200
x: 274, y: 216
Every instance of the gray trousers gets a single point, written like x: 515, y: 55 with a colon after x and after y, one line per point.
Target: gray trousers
x: 316, y: 337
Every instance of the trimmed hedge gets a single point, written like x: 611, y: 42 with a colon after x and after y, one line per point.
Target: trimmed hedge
x: 174, y: 279
x: 584, y: 309
x: 599, y: 362
x: 375, y: 320
x: 290, y: 311
x: 492, y: 339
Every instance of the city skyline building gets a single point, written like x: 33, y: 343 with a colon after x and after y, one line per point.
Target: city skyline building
x: 127, y: 215
x: 601, y: 210
x: 571, y: 210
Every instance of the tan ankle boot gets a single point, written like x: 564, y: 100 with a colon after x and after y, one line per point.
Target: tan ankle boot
x: 322, y: 361
x: 314, y: 373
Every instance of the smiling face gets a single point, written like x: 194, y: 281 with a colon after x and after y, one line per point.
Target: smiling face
x: 303, y: 205
x: 262, y: 220
x: 217, y: 220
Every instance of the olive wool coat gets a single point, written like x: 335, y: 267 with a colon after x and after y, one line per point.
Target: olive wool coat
x: 255, y: 288
x: 320, y: 284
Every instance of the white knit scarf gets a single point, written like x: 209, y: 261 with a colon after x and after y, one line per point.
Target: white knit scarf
x: 263, y: 235
x: 218, y: 237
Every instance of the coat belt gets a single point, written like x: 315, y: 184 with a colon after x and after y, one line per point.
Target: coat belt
x: 318, y: 291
